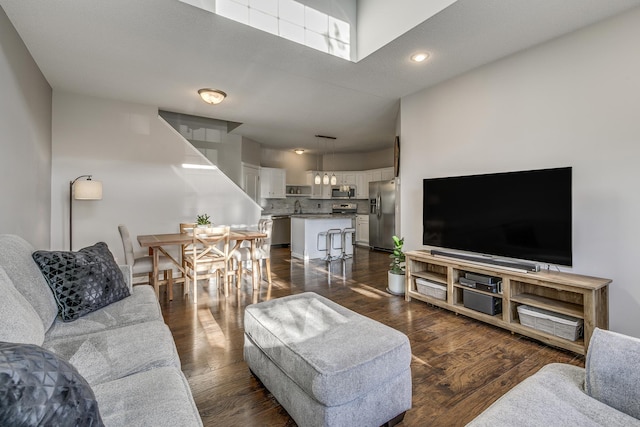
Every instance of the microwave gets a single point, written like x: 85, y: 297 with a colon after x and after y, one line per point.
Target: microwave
x: 343, y: 192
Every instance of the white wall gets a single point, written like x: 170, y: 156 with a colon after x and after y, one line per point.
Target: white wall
x: 137, y: 156
x: 296, y: 165
x: 380, y: 22
x: 571, y: 102
x: 25, y: 141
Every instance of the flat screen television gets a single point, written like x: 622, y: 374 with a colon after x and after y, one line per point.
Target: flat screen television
x: 524, y: 215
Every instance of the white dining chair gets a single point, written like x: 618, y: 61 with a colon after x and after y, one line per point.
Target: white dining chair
x: 144, y: 263
x: 242, y: 255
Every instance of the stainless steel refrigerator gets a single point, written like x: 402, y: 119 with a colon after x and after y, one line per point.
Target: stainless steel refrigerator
x: 382, y: 214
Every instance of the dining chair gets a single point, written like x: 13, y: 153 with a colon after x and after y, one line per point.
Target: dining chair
x: 242, y: 255
x: 144, y: 263
x: 207, y: 256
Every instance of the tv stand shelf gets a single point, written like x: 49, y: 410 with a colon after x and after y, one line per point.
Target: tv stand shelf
x: 581, y: 297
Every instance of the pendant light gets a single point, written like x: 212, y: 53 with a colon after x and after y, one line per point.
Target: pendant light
x: 317, y: 180
x: 325, y: 178
x: 334, y: 180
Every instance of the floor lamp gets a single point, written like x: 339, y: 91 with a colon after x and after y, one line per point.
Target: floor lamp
x: 84, y: 190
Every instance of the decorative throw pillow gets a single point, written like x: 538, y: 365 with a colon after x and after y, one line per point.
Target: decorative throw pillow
x: 82, y: 281
x: 38, y: 388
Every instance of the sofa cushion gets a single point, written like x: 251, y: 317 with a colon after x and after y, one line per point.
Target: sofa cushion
x: 142, y: 306
x: 613, y: 373
x: 83, y: 281
x: 553, y: 396
x: 19, y: 322
x: 38, y: 388
x: 15, y: 258
x: 159, y: 397
x: 108, y: 355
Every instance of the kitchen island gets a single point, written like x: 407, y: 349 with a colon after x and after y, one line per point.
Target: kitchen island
x: 304, y: 234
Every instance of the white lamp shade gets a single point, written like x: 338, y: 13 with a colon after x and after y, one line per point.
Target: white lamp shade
x: 317, y: 180
x: 325, y: 179
x: 334, y: 180
x: 88, y: 190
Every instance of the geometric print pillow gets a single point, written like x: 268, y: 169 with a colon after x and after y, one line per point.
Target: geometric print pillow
x: 82, y: 281
x: 39, y: 389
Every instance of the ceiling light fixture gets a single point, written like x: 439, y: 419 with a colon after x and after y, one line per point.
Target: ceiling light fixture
x: 212, y: 96
x: 298, y: 151
x: 325, y: 178
x: 419, y: 57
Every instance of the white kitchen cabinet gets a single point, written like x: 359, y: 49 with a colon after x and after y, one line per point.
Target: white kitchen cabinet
x: 374, y: 175
x: 272, y: 183
x: 386, y: 174
x: 362, y: 230
x: 362, y: 185
x: 348, y: 178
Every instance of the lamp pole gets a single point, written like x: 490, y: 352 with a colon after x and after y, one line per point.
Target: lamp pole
x: 71, y: 208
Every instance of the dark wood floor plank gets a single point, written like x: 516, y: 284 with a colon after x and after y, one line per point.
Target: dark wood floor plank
x: 459, y: 366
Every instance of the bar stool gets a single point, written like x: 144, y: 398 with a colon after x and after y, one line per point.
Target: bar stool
x: 329, y: 239
x: 346, y: 232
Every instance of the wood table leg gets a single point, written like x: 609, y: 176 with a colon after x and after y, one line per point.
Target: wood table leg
x: 154, y: 279
x: 254, y: 266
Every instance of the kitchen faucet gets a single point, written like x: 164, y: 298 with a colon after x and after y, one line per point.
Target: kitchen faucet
x: 297, y: 209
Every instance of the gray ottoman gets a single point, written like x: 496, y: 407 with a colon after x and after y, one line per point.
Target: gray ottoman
x: 325, y: 364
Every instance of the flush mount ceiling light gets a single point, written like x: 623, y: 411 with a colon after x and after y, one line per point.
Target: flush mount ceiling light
x: 212, y: 96
x: 419, y: 57
x: 298, y: 151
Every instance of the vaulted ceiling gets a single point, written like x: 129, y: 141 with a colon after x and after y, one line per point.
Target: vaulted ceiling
x: 160, y: 52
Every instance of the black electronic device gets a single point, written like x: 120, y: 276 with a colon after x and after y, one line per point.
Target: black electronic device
x: 482, y: 278
x: 524, y: 215
x: 487, y: 287
x: 483, y: 303
x: 467, y: 282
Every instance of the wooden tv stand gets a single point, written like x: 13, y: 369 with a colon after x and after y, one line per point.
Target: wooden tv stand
x: 581, y: 297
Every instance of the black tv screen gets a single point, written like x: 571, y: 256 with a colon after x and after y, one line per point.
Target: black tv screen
x: 524, y: 215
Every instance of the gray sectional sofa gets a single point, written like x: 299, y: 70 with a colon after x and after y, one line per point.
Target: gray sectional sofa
x: 124, y: 350
x: 604, y: 393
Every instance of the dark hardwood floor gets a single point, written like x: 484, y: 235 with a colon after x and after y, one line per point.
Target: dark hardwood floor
x: 460, y: 366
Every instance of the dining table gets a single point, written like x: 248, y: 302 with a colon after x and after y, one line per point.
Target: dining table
x: 157, y: 244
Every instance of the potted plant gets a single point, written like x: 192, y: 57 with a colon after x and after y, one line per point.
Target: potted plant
x: 203, y: 220
x: 397, y: 268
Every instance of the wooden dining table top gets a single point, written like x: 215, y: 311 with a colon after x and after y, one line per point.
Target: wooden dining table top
x: 151, y: 240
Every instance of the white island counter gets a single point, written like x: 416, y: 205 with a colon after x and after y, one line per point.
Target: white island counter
x: 304, y: 235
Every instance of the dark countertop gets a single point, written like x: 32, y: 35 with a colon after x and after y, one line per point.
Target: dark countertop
x: 323, y: 216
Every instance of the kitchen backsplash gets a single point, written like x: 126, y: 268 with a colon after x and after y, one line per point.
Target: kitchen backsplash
x: 308, y: 206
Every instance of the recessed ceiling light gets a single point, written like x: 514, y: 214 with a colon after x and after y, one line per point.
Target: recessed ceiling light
x: 419, y: 57
x: 212, y: 96
x: 298, y: 151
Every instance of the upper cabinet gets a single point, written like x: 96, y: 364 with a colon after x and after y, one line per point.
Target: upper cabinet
x: 272, y: 183
x: 386, y: 174
x: 362, y: 185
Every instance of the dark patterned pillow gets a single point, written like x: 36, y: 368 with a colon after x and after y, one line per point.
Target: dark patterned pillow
x: 82, y: 281
x: 39, y: 389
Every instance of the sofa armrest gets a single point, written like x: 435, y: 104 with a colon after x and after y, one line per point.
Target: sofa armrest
x: 127, y: 273
x: 612, y: 371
